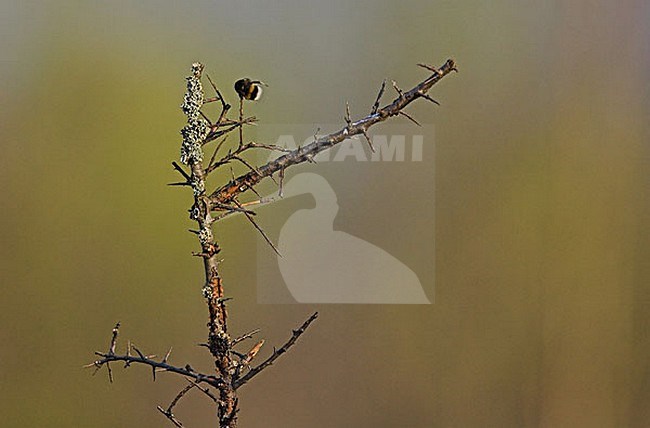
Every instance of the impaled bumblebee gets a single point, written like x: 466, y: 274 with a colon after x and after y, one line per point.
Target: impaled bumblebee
x: 249, y: 89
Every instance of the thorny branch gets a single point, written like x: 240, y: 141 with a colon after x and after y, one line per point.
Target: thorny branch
x: 233, y: 368
x: 276, y: 353
x: 148, y: 360
x: 307, y: 152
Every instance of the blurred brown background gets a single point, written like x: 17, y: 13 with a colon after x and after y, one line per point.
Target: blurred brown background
x: 541, y: 304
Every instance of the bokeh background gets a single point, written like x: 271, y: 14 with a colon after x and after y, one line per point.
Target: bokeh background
x: 541, y: 305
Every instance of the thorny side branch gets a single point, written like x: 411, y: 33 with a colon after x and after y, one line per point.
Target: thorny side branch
x: 148, y: 360
x: 276, y: 353
x: 307, y: 152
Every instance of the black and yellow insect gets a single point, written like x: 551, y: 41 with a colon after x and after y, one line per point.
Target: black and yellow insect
x: 249, y: 89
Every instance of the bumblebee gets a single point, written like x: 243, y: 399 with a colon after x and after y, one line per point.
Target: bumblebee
x: 249, y: 89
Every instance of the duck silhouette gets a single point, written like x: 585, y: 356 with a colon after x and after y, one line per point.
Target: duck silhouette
x: 321, y: 265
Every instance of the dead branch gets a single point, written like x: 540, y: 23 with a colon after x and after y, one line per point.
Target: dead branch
x: 276, y: 353
x: 141, y: 358
x: 303, y: 154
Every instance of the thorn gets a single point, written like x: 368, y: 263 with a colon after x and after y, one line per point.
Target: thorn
x: 375, y: 107
x: 116, y: 329
x: 164, y: 360
x: 128, y: 353
x: 347, y: 114
x: 259, y: 229
x: 281, y: 189
x: 365, y: 134
x: 399, y: 91
x: 178, y: 168
x: 430, y: 68
x: 138, y: 351
x: 409, y: 117
x: 426, y: 97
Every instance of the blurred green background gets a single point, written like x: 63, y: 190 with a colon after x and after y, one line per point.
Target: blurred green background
x: 541, y: 305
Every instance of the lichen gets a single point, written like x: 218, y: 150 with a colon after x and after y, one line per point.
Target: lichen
x: 205, y: 236
x: 197, y: 129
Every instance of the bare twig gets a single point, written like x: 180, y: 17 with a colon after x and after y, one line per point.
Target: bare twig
x: 214, y: 155
x: 277, y: 353
x: 106, y: 358
x: 259, y: 229
x: 397, y: 89
x: 168, y: 412
x: 171, y: 417
x: 403, y: 113
x: 243, y: 337
x: 375, y: 106
x: 280, y: 186
x: 218, y: 130
x: 141, y: 358
x: 241, y: 118
x: 428, y: 98
x: 204, y: 390
x: 348, y: 121
x: 367, y: 137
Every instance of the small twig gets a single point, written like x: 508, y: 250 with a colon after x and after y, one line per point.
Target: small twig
x: 268, y: 147
x: 243, y: 337
x: 206, y: 391
x: 217, y: 130
x: 347, y: 114
x: 241, y: 118
x: 207, y: 119
x: 234, y: 209
x: 428, y: 98
x: 277, y: 353
x: 375, y: 107
x: 259, y: 229
x: 259, y: 202
x: 166, y: 357
x: 178, y: 397
x: 116, y: 330
x: 128, y: 353
x: 214, y: 155
x: 171, y: 417
x: 245, y: 162
x: 367, y: 137
x: 224, y: 105
x: 111, y: 350
x: 429, y: 67
x: 280, y: 186
x: 397, y: 89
